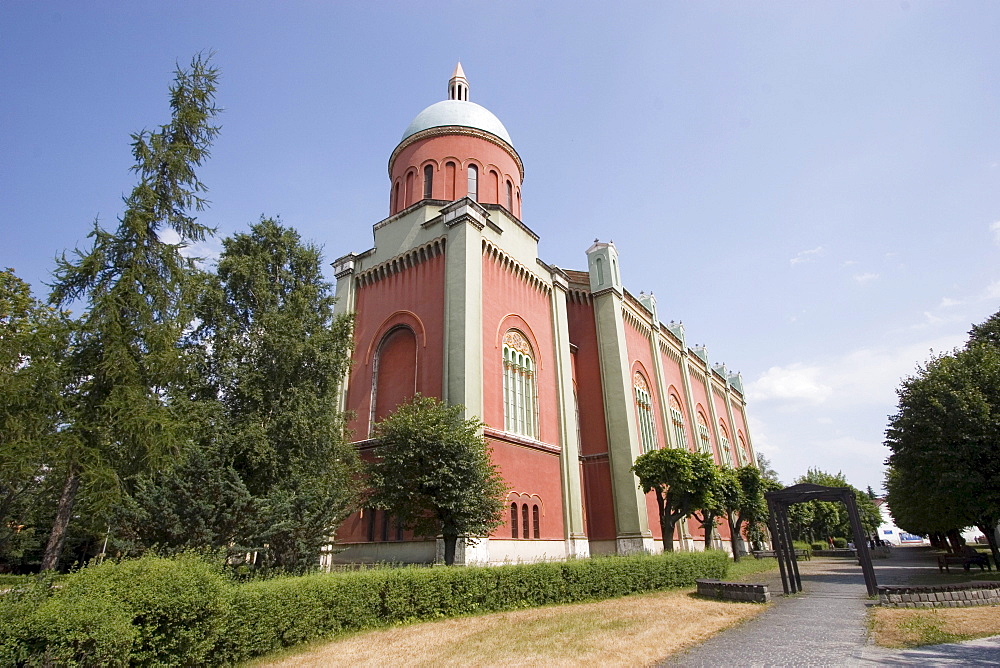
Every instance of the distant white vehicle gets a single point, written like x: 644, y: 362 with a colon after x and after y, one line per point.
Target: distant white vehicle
x: 890, y: 533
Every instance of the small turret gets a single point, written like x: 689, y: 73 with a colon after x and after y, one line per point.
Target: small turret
x: 458, y: 85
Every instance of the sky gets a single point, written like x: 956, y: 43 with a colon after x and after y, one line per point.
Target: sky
x: 812, y: 188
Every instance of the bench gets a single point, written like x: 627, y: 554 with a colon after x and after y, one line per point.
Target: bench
x: 945, y: 561
x: 764, y: 554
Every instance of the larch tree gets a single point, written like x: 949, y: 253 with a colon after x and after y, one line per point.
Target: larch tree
x: 682, y: 482
x: 133, y: 285
x: 433, y: 473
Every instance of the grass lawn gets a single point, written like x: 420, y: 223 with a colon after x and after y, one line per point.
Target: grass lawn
x: 628, y: 631
x: 904, y: 627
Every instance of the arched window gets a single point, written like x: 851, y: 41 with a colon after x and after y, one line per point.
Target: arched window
x: 519, y: 410
x: 743, y: 450
x: 395, y: 198
x: 599, y: 265
x: 704, y: 441
x: 513, y: 520
x: 534, y: 522
x: 677, y: 422
x: 474, y: 183
x: 727, y: 454
x: 494, y: 188
x: 644, y: 408
x: 428, y: 181
x: 524, y: 521
x: 449, y: 181
x: 408, y: 195
x: 510, y: 197
x: 394, y: 372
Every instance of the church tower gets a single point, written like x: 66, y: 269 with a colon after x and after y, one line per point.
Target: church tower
x: 572, y: 375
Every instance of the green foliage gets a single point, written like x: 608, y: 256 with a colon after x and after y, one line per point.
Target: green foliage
x: 819, y: 545
x: 181, y: 611
x: 839, y: 543
x: 135, y: 287
x: 434, y: 473
x: 269, y: 464
x: 741, y: 496
x: 34, y: 343
x: 683, y: 482
x: 819, y: 520
x: 945, y: 463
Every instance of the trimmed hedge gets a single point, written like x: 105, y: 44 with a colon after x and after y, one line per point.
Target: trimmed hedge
x: 155, y: 611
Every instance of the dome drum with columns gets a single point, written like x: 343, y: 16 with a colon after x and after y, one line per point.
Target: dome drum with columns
x: 572, y: 374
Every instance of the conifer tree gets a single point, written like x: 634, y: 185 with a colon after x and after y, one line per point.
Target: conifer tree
x: 134, y: 287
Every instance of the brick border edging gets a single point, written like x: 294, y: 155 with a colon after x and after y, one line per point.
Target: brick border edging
x: 960, y: 595
x: 734, y: 591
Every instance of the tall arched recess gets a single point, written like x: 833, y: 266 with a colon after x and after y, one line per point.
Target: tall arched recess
x: 395, y: 372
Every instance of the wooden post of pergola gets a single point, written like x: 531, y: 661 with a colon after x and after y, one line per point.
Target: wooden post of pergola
x: 781, y: 534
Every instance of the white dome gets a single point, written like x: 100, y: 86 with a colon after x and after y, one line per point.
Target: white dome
x: 461, y: 113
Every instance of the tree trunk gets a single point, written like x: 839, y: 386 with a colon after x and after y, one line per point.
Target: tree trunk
x: 989, y: 529
x: 735, y: 539
x: 954, y: 541
x: 450, y: 541
x: 53, y: 550
x: 666, y: 524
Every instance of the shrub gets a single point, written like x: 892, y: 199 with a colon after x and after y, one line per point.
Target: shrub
x: 840, y: 542
x: 182, y: 611
x: 148, y: 611
x: 819, y: 545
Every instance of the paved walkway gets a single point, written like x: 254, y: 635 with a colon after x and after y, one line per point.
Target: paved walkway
x: 825, y: 624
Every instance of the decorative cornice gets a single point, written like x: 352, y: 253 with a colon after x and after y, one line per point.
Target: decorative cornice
x: 403, y: 261
x: 633, y: 319
x: 515, y: 268
x: 456, y: 130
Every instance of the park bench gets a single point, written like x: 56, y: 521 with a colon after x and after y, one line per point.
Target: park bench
x: 966, y: 560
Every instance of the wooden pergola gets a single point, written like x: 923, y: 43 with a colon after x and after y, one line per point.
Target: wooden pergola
x: 781, y: 534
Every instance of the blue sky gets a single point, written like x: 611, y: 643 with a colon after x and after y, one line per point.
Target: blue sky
x: 812, y: 188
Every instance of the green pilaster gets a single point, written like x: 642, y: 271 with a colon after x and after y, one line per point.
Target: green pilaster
x: 632, y: 524
x: 463, y: 310
x: 569, y: 457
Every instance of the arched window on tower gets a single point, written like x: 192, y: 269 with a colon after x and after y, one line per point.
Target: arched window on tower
x: 677, y: 421
x: 428, y: 181
x: 449, y: 181
x: 395, y: 199
x: 474, y: 183
x: 644, y: 410
x: 494, y: 188
x: 510, y: 197
x: 409, y: 196
x: 519, y: 409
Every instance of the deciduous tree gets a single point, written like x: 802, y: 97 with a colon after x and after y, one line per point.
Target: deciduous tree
x: 433, y: 473
x: 682, y: 482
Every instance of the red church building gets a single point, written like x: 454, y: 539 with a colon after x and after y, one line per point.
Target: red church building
x: 573, y: 375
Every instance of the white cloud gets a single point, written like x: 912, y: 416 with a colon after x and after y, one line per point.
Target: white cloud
x: 948, y: 302
x: 208, y: 250
x: 995, y: 229
x: 867, y: 277
x: 807, y: 255
x: 795, y: 382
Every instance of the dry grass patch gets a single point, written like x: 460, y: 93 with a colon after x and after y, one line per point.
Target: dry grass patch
x: 629, y: 631
x: 907, y: 627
